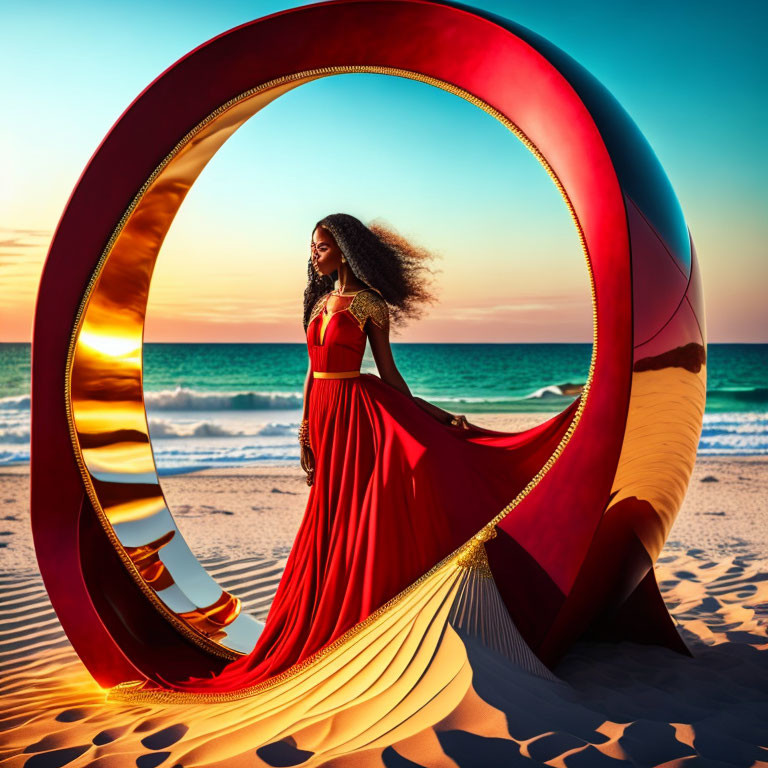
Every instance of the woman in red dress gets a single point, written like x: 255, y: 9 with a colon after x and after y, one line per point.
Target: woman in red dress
x: 396, y: 483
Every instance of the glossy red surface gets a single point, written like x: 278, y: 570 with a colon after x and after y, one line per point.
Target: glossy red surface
x: 658, y: 285
x: 681, y: 329
x: 548, y: 536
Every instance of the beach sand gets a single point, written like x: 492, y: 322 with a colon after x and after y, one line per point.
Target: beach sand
x: 622, y: 703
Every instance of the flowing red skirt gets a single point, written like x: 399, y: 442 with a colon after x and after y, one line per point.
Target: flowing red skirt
x: 395, y: 492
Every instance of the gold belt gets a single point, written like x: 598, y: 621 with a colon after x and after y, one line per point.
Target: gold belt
x: 335, y: 374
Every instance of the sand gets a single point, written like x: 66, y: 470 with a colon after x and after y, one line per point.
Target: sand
x: 620, y: 704
x: 257, y: 511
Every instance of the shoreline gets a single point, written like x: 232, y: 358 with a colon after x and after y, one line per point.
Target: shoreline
x: 499, y: 421
x: 186, y: 441
x: 257, y: 511
x: 22, y: 467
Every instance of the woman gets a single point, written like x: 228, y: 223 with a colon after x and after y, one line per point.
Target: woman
x: 397, y: 483
x: 386, y: 260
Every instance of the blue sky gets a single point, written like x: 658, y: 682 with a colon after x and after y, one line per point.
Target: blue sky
x: 691, y: 74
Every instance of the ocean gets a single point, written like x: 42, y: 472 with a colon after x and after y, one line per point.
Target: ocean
x: 217, y: 405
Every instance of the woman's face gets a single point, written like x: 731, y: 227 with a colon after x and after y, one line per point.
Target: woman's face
x: 326, y: 255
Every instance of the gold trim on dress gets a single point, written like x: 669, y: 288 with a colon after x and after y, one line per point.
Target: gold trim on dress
x: 335, y: 374
x: 325, y: 318
x: 367, y: 303
x: 474, y: 555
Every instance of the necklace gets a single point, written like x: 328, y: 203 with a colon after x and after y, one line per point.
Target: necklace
x: 341, y: 291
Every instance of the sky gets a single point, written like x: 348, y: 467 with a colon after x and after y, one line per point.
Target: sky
x: 435, y: 168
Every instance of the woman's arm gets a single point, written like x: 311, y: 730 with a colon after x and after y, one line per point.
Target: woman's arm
x: 385, y: 362
x: 308, y: 379
x: 307, y: 458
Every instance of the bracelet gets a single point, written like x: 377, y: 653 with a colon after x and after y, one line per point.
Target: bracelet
x: 304, y: 432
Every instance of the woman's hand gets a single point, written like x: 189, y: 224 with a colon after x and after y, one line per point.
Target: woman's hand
x: 308, y: 463
x: 444, y: 417
x: 460, y: 420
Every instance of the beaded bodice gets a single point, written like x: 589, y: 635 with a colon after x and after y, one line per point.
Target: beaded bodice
x: 336, y: 340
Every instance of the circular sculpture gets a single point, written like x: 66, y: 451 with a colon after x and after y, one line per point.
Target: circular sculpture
x: 572, y: 554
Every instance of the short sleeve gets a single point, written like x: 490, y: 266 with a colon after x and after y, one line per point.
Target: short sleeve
x: 369, y: 304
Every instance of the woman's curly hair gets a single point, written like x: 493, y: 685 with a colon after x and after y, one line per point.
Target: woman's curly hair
x: 382, y: 259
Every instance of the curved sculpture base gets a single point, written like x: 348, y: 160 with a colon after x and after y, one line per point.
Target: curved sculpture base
x: 130, y: 594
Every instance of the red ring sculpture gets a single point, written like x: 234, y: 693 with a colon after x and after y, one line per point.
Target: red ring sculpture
x: 574, y: 553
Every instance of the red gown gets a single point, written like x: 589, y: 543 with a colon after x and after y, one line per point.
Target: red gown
x: 395, y: 491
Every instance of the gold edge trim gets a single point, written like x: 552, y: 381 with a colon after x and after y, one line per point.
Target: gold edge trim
x: 183, y: 627
x: 130, y: 690
x: 534, y: 150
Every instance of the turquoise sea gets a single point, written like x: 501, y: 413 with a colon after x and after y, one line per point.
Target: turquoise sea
x: 237, y: 404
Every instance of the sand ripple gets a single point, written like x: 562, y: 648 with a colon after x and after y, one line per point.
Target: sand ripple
x: 623, y: 704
